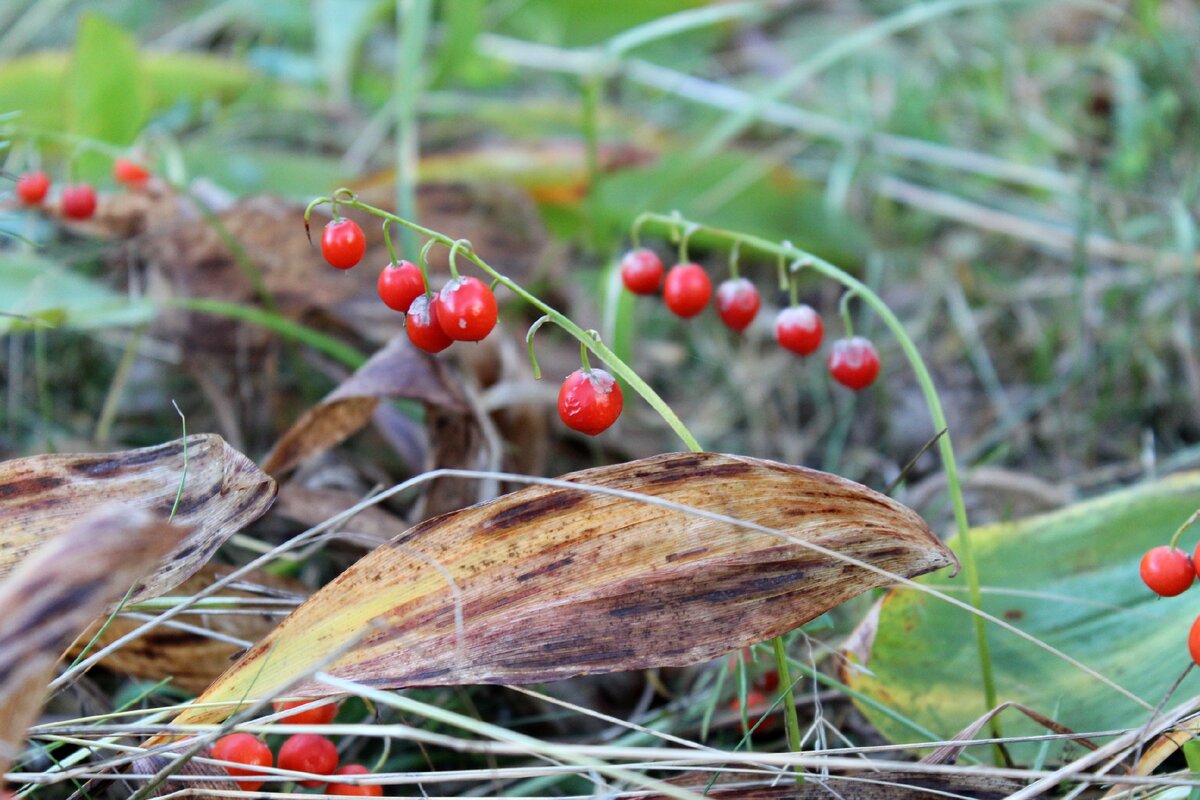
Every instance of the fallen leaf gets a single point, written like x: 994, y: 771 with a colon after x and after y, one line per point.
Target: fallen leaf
x: 876, y: 784
x: 190, y: 659
x: 222, y: 491
x: 547, y: 583
x: 56, y: 592
x: 399, y: 370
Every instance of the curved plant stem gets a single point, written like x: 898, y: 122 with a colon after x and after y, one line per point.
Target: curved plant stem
x: 953, y: 485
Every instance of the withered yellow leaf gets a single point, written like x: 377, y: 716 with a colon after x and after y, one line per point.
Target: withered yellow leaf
x: 43, y: 496
x: 56, y: 592
x: 549, y: 582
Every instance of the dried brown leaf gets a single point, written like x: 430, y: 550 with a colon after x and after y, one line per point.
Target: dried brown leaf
x: 56, y: 592
x: 548, y: 582
x: 43, y: 496
x: 190, y: 659
x: 399, y: 370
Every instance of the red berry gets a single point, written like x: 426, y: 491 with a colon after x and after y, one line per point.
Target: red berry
x: 130, y: 173
x: 799, y: 329
x: 466, y: 309
x: 737, y: 303
x: 641, y: 271
x: 1167, y: 571
x: 242, y: 748
x: 421, y: 322
x: 687, y: 290
x: 343, y: 243
x: 1194, y: 641
x: 32, y: 187
x: 753, y: 698
x: 767, y: 682
x: 78, y: 201
x: 354, y: 789
x: 854, y: 363
x: 400, y: 284
x: 321, y: 715
x: 589, y: 401
x: 308, y: 752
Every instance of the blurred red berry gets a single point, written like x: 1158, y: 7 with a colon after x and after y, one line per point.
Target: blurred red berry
x: 130, y: 173
x: 400, y: 284
x: 1167, y: 571
x: 687, y: 290
x: 308, y: 752
x: 32, y: 187
x: 641, y: 271
x: 242, y: 748
x: 854, y: 363
x: 737, y: 303
x: 799, y: 329
x: 343, y: 243
x: 78, y: 201
x: 321, y: 715
x: 353, y: 789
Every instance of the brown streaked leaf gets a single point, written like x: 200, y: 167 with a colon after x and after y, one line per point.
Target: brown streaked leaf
x: 547, y: 583
x: 43, y: 496
x: 398, y: 370
x: 56, y: 592
x: 190, y: 659
x: 872, y: 783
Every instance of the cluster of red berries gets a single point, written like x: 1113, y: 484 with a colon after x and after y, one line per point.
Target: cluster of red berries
x: 1169, y: 571
x: 686, y: 291
x: 78, y: 201
x: 464, y: 310
x: 303, y: 752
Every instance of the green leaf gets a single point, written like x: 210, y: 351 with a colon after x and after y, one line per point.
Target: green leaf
x: 43, y: 293
x: 1069, y: 578
x: 105, y: 92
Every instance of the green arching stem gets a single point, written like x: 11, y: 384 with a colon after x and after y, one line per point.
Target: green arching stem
x: 458, y: 246
x: 537, y: 369
x: 1189, y: 522
x: 734, y: 252
x: 619, y: 368
x: 387, y: 240
x: 583, y: 359
x: 844, y: 310
x: 423, y: 265
x: 925, y: 381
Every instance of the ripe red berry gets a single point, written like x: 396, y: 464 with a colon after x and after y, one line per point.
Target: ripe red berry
x: 854, y: 363
x: 686, y: 290
x: 641, y: 271
x: 32, y: 187
x: 1167, y: 571
x: 737, y: 303
x: 308, y: 752
x: 130, y: 173
x: 799, y: 329
x: 343, y: 243
x: 589, y: 401
x: 242, y: 748
x: 466, y: 309
x: 321, y: 715
x: 421, y: 322
x: 78, y: 201
x: 352, y: 789
x: 400, y: 284
x: 1194, y: 641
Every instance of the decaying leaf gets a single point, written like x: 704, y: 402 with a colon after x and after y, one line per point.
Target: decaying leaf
x: 189, y: 658
x: 546, y: 583
x: 872, y: 783
x: 222, y: 492
x: 398, y: 370
x: 55, y: 592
